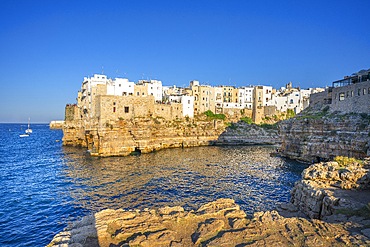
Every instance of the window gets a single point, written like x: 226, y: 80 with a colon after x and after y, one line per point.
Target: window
x: 138, y: 93
x: 352, y: 93
x: 189, y: 101
x: 341, y: 96
x: 291, y: 101
x: 114, y: 103
x: 347, y: 94
x: 368, y: 91
x: 359, y: 92
x: 126, y: 109
x: 114, y: 109
x: 364, y: 91
x: 119, y: 85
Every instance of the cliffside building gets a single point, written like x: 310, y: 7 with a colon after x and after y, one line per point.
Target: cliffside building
x: 351, y: 94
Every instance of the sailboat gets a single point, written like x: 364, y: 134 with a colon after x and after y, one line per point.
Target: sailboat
x: 28, y: 130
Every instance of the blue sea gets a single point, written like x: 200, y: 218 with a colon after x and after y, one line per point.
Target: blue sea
x: 46, y: 186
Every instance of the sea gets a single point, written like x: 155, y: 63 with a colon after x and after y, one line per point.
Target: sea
x: 46, y: 186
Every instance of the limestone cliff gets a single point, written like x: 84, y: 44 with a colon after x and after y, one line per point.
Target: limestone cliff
x: 121, y: 138
x: 319, y: 136
x: 241, y: 133
x: 219, y: 223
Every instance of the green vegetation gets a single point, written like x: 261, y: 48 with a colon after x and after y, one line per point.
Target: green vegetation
x: 345, y: 161
x: 362, y: 212
x: 211, y: 116
x: 247, y: 120
x: 290, y: 113
x: 269, y: 126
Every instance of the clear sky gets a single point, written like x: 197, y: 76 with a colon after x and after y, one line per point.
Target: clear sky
x: 47, y: 47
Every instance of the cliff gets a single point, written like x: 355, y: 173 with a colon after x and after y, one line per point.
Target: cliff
x: 219, y: 223
x: 241, y: 133
x: 144, y: 135
x: 315, y: 136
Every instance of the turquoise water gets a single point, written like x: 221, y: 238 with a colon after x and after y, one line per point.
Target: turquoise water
x: 45, y: 186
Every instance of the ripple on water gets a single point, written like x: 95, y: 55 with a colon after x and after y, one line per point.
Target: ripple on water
x: 46, y: 186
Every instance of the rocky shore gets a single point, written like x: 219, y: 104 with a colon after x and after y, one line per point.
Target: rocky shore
x: 329, y: 207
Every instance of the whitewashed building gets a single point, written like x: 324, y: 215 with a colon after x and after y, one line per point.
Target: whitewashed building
x: 120, y: 87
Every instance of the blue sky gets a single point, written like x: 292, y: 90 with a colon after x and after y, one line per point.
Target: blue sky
x: 47, y: 47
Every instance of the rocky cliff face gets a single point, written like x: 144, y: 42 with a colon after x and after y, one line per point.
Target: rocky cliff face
x: 241, y: 133
x: 219, y: 223
x: 121, y: 138
x: 320, y: 136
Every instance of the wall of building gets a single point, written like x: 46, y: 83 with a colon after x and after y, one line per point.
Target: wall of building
x: 352, y: 98
x: 110, y: 107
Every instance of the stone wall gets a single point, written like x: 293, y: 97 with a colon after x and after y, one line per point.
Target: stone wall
x: 346, y: 99
x: 352, y: 98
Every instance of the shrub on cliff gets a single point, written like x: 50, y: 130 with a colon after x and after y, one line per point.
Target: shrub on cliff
x: 211, y: 116
x: 345, y: 161
x: 247, y: 120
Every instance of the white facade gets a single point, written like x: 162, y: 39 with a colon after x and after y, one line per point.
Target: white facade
x: 120, y: 87
x: 267, y: 96
x: 245, y: 97
x: 155, y: 89
x: 187, y: 105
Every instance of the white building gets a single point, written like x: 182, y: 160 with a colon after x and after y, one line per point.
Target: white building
x: 245, y: 97
x: 187, y: 105
x: 120, y: 87
x: 154, y: 87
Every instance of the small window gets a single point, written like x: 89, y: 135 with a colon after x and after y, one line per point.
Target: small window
x: 114, y: 103
x: 119, y: 85
x: 114, y: 109
x: 138, y: 93
x: 347, y: 94
x: 189, y: 101
x: 291, y: 101
x: 364, y: 91
x: 352, y: 93
x: 368, y: 91
x: 359, y: 92
x: 126, y: 109
x: 341, y: 96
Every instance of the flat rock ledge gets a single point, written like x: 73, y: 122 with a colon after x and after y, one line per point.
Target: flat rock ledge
x: 218, y: 223
x: 327, y: 189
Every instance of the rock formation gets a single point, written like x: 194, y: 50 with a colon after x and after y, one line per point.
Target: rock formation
x: 321, y: 136
x: 328, y: 188
x: 219, y: 223
x: 241, y: 133
x: 121, y: 138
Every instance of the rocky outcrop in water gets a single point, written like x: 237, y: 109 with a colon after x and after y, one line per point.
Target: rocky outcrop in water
x: 219, y: 223
x: 316, y: 136
x: 328, y: 188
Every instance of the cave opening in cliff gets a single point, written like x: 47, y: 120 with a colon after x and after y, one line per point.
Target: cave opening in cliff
x: 136, y: 152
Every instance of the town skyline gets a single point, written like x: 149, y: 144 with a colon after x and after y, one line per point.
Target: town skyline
x: 48, y: 47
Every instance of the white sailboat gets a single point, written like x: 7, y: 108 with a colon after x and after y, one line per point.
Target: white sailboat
x: 28, y: 130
